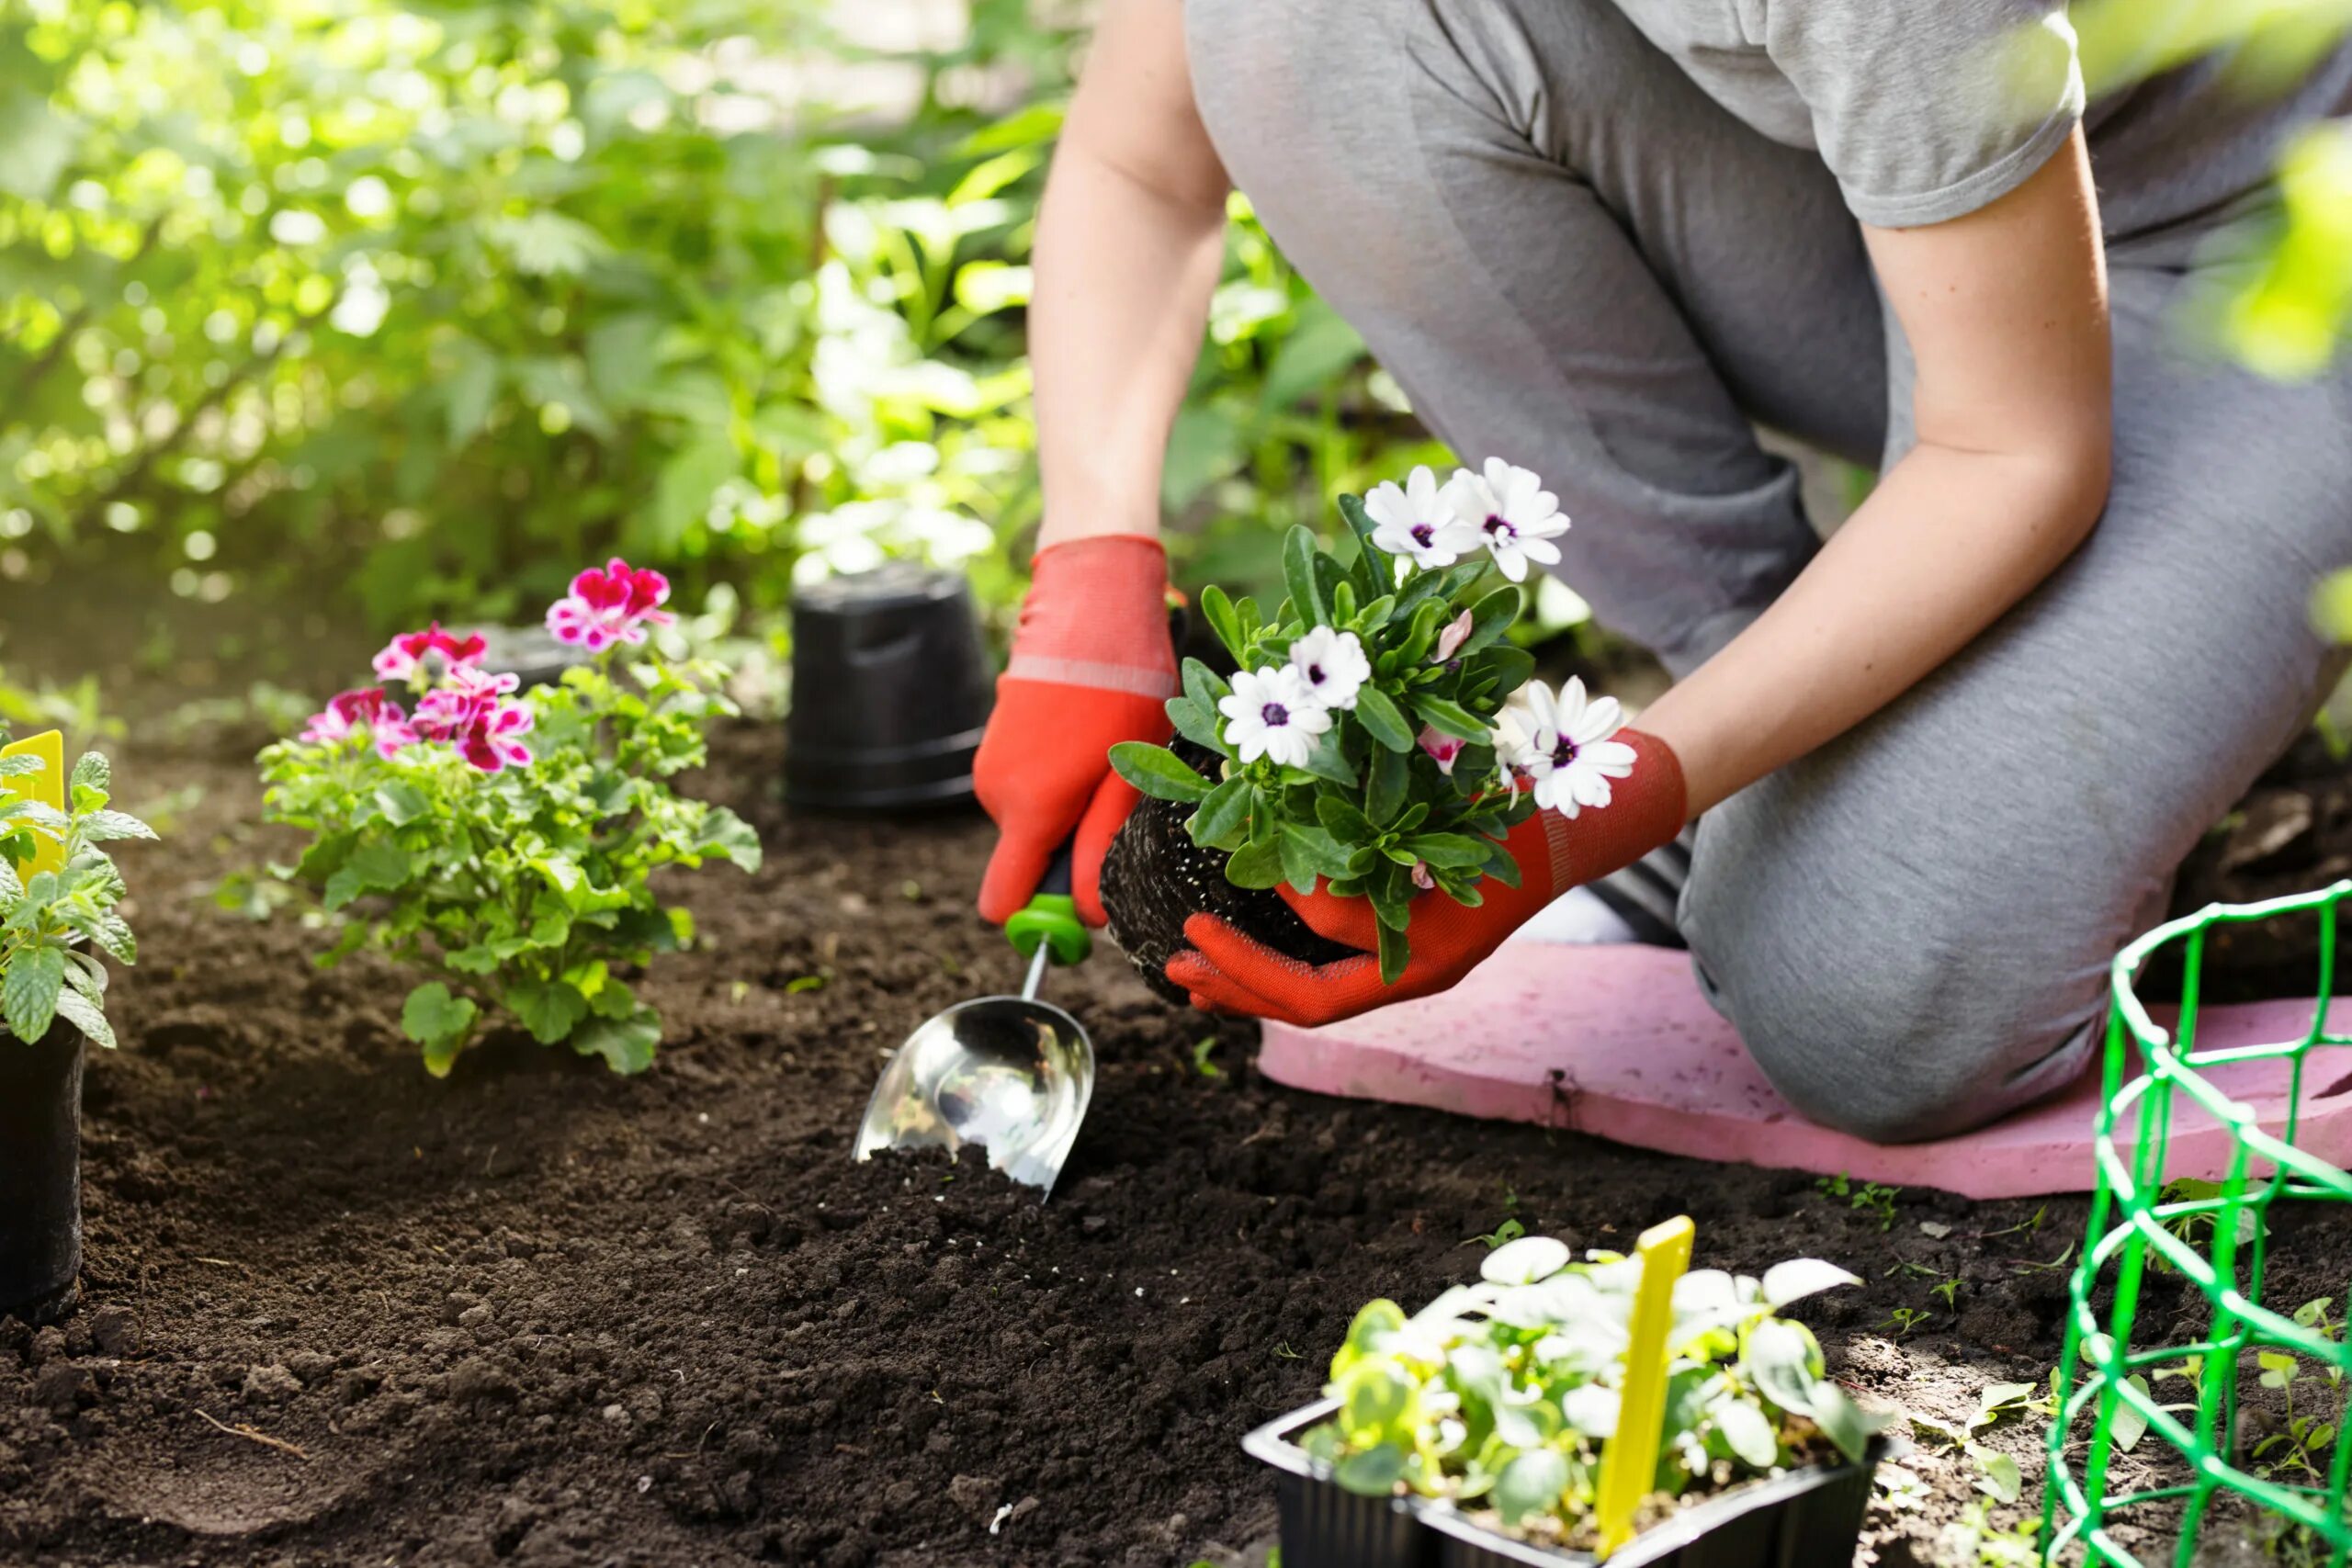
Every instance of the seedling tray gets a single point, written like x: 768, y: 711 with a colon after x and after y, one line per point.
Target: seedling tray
x: 1806, y: 1519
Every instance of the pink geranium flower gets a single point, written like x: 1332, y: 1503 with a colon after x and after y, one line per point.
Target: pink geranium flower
x: 411, y: 653
x: 478, y: 721
x: 610, y: 605
x: 367, y: 711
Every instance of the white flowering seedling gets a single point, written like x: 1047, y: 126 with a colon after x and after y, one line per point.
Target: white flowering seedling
x: 54, y: 922
x: 1500, y: 1396
x: 1357, y: 741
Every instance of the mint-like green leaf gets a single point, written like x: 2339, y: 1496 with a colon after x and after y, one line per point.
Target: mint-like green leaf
x: 86, y: 1015
x: 22, y: 764
x: 92, y: 771
x: 28, y: 992
x: 1157, y: 771
x: 98, y: 827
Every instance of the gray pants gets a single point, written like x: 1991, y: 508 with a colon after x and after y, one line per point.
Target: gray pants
x: 1572, y: 258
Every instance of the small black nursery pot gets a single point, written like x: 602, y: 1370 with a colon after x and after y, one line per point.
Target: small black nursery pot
x: 41, y: 1173
x: 890, y: 690
x: 1802, y: 1519
x: 1155, y: 878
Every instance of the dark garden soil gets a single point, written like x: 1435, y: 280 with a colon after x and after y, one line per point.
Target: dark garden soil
x: 336, y: 1312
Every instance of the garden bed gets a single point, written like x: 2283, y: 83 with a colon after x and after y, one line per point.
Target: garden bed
x: 336, y: 1311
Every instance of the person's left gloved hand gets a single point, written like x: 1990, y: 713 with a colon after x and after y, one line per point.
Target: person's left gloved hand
x: 1227, y: 972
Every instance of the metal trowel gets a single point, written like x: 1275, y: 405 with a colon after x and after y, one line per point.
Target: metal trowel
x: 1012, y: 1074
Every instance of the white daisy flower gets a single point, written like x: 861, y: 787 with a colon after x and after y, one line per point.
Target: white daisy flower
x: 1332, y: 664
x: 1516, y: 517
x: 1562, y: 746
x: 1273, y: 713
x: 1416, y: 522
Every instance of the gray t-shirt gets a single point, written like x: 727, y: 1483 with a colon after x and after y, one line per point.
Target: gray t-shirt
x: 1925, y: 110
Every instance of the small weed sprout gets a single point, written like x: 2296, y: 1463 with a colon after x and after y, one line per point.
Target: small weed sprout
x: 1867, y: 1198
x: 1202, y: 1050
x: 1902, y: 1320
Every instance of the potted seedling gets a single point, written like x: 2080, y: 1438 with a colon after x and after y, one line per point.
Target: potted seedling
x: 58, y: 898
x: 1479, y: 1429
x: 1372, y: 734
x: 501, y: 841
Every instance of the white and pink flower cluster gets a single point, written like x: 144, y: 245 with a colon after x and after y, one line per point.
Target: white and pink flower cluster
x: 1560, y: 746
x: 1504, y: 510
x: 459, y: 703
x: 1279, y: 711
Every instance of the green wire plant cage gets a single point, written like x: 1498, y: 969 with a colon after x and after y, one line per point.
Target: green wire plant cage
x: 2202, y: 1427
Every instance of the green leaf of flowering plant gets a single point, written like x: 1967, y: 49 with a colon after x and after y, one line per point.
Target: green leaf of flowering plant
x: 1158, y: 771
x: 1381, y: 720
x: 1218, y: 611
x: 1223, y: 821
x: 1299, y: 576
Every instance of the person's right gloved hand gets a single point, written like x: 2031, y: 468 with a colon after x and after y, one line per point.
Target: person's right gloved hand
x: 1090, y: 667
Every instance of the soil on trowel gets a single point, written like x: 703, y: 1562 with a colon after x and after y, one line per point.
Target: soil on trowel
x: 337, y: 1312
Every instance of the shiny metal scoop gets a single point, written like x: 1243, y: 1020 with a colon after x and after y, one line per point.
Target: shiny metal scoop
x: 1010, y: 1074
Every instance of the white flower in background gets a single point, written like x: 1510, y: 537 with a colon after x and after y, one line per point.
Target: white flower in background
x: 1332, y: 664
x: 1516, y: 517
x: 1564, y: 747
x: 1273, y: 713
x: 1416, y: 522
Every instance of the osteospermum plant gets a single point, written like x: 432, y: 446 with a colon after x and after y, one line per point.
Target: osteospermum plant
x: 1378, y: 731
x: 56, y: 921
x: 1499, y: 1396
x: 499, y: 842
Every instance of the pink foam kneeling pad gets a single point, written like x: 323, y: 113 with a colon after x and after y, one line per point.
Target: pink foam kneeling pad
x: 1617, y: 1041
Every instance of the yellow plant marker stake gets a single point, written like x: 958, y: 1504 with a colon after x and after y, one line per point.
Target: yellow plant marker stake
x: 47, y: 787
x: 1629, y: 1460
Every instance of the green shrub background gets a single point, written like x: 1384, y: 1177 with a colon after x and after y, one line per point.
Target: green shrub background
x: 409, y: 308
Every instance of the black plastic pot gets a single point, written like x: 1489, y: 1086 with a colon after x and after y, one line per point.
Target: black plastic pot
x: 41, y: 1173
x: 891, y: 687
x: 1155, y: 878
x: 1806, y: 1518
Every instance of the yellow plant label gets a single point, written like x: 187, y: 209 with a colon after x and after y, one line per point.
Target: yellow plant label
x: 47, y: 786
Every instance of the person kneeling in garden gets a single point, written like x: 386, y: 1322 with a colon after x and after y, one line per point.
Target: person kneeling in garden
x: 1941, y: 766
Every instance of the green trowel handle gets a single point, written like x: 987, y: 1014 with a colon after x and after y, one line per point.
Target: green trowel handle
x: 1052, y: 918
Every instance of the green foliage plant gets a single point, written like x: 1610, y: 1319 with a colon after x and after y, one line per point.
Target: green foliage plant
x: 512, y: 873
x: 1403, y: 790
x: 54, y: 922
x: 1499, y: 1396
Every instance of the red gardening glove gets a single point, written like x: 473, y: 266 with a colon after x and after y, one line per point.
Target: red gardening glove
x: 1090, y: 667
x: 1227, y: 972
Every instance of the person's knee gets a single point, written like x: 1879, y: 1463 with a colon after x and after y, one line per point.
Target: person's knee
x: 1894, y: 1020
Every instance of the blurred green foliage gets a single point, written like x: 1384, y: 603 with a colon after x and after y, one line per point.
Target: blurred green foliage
x: 412, y: 306
x: 429, y: 303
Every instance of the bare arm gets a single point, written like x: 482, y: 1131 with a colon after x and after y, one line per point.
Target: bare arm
x: 1128, y: 246
x: 2005, y: 310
